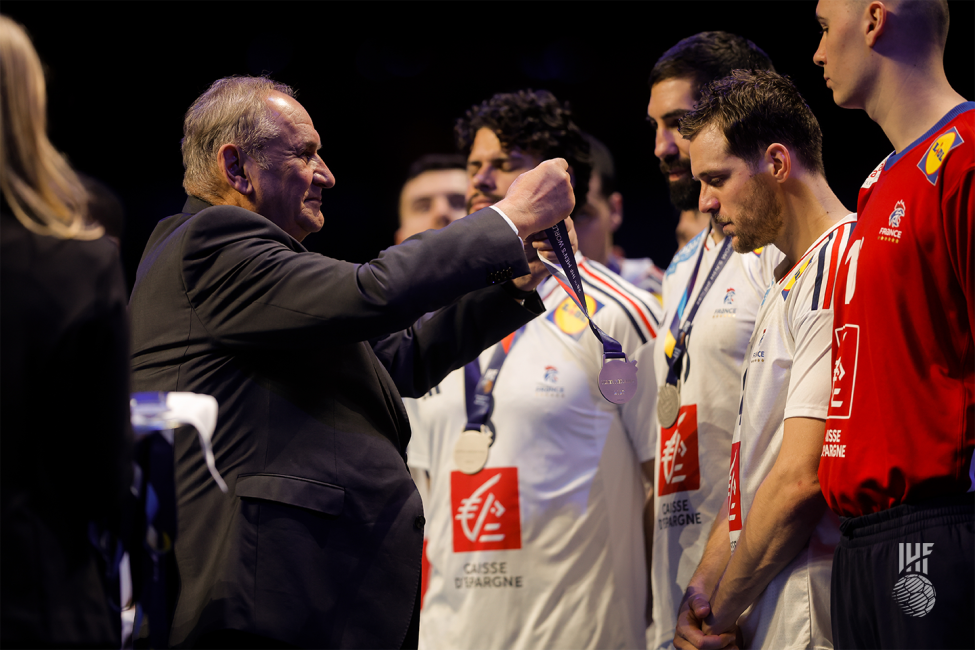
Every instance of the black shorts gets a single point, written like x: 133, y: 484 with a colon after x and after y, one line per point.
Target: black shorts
x: 905, y: 577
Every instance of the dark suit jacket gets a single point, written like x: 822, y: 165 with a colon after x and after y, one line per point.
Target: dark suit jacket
x: 66, y: 453
x: 318, y: 543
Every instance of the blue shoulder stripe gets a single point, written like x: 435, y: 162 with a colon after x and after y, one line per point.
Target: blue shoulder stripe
x: 608, y: 295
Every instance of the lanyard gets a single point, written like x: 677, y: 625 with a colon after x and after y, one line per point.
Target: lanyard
x: 617, y: 378
x: 676, y: 344
x: 478, y: 388
x: 568, y: 276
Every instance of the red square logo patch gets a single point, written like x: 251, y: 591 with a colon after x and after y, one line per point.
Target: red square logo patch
x: 680, y: 470
x: 734, y: 489
x: 487, y: 516
x: 847, y: 346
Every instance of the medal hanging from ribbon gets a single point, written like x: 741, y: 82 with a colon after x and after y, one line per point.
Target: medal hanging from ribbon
x: 473, y: 445
x: 617, y: 378
x: 675, y: 346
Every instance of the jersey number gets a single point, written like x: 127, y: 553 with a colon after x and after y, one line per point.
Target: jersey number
x: 851, y: 277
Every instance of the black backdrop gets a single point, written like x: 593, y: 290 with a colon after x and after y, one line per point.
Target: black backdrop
x: 384, y: 83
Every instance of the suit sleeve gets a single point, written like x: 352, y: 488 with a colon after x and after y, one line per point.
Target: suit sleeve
x: 249, y: 287
x: 418, y: 358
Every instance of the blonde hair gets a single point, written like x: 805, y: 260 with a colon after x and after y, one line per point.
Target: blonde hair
x: 42, y: 190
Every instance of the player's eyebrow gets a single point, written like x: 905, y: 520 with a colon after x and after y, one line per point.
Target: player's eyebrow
x: 677, y: 112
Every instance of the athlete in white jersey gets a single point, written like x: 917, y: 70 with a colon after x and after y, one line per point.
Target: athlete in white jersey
x: 543, y: 548
x: 787, y: 375
x: 691, y: 470
x: 757, y: 150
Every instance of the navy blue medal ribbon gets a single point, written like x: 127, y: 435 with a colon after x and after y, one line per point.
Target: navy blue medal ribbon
x: 617, y: 379
x: 479, y: 388
x: 677, y: 335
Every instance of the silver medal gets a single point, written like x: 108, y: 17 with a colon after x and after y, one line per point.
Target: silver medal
x: 668, y: 405
x: 471, y: 451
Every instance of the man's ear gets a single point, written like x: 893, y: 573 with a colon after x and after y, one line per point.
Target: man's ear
x: 778, y: 162
x: 230, y: 162
x: 874, y: 21
x: 616, y: 211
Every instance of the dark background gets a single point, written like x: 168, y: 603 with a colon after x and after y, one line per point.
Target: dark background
x: 384, y: 83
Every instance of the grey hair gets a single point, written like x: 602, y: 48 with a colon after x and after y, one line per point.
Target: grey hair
x: 232, y: 111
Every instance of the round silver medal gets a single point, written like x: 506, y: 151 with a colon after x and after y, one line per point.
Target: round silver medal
x: 617, y: 380
x: 668, y: 405
x: 471, y: 451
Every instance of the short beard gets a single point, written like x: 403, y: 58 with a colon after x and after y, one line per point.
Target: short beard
x: 760, y: 219
x: 685, y: 194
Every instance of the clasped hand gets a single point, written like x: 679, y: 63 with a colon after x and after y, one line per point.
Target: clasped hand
x: 693, y: 633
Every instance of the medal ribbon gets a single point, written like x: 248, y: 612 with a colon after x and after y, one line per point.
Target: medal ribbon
x: 568, y: 276
x: 676, y: 343
x: 479, y: 388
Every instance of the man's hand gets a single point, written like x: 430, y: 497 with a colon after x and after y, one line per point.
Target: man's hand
x: 690, y: 622
x: 540, y: 198
x: 538, y: 244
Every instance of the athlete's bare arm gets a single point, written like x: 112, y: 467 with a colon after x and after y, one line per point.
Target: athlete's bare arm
x: 695, y: 605
x: 788, y: 506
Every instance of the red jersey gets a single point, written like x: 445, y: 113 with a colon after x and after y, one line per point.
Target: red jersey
x: 901, y: 421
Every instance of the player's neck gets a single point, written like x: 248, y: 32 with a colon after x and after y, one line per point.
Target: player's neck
x: 910, y: 101
x: 810, y: 209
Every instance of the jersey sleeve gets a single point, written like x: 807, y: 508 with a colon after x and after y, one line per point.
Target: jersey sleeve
x: 958, y: 208
x: 811, y: 326
x: 640, y: 413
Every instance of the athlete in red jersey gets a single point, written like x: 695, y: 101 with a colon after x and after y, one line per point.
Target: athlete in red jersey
x: 900, y: 433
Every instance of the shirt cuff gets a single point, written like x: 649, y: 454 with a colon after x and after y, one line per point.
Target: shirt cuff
x: 505, y: 217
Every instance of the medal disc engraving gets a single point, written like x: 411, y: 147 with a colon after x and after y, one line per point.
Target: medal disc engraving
x: 668, y: 405
x: 617, y: 380
x: 471, y: 451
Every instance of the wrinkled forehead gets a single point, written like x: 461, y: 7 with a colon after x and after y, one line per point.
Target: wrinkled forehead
x: 292, y: 117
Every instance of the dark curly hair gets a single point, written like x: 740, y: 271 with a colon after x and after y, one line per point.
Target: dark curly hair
x: 535, y: 122
x: 753, y: 109
x: 707, y: 56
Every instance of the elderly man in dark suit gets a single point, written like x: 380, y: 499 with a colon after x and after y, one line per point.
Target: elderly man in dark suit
x: 318, y: 542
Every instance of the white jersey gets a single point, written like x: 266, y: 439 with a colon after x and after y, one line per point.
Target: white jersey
x: 691, y: 477
x: 787, y: 374
x: 544, y: 547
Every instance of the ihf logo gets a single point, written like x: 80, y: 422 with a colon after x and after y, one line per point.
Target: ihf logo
x: 913, y: 591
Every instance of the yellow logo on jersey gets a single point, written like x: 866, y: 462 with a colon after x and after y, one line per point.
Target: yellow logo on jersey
x: 570, y: 318
x: 931, y: 162
x: 937, y: 152
x: 795, y: 276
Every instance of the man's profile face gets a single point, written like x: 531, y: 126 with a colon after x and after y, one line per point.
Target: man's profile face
x: 597, y: 220
x: 289, y: 191
x: 491, y: 170
x: 840, y: 51
x: 432, y: 200
x: 670, y: 100
x: 739, y: 198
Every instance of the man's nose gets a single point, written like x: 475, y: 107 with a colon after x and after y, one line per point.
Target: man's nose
x: 819, y: 56
x: 323, y: 176
x: 664, y: 144
x: 484, y: 178
x: 707, y: 202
